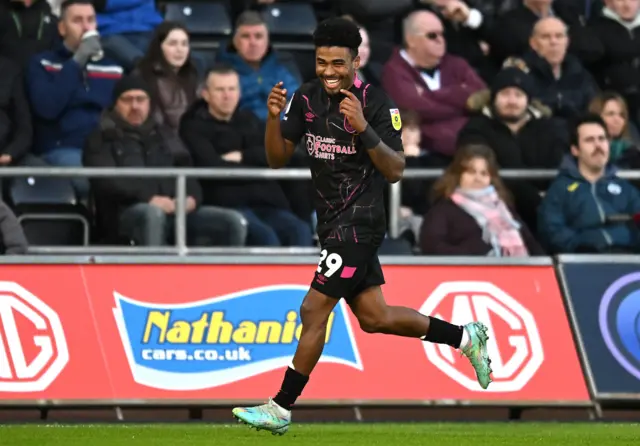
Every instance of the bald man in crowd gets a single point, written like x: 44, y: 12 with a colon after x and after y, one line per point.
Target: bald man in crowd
x: 422, y: 77
x: 559, y: 79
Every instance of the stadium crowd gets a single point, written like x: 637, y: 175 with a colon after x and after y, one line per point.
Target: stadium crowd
x: 481, y: 85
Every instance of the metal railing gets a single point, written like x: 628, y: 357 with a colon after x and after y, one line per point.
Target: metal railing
x: 181, y: 175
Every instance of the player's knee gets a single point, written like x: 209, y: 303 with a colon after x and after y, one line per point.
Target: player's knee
x: 373, y: 324
x: 310, y: 316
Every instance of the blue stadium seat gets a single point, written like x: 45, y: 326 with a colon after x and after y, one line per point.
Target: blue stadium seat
x: 201, y: 18
x: 395, y: 247
x: 49, y: 212
x: 290, y: 19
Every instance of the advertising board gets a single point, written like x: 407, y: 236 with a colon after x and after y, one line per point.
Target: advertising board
x: 226, y: 333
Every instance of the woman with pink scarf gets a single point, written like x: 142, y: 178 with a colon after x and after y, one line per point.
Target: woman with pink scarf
x: 472, y: 213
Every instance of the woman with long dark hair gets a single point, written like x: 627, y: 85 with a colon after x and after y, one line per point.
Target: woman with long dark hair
x: 472, y: 213
x: 172, y: 77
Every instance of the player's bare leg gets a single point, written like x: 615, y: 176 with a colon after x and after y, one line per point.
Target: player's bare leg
x: 375, y: 316
x: 275, y: 415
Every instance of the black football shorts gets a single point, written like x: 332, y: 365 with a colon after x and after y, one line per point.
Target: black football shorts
x: 345, y: 270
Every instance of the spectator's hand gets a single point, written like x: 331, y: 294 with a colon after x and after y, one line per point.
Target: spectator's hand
x: 412, y: 150
x: 233, y: 157
x: 164, y: 203
x: 456, y: 11
x: 89, y: 46
x: 277, y: 100
x: 352, y: 109
x: 406, y: 212
x: 484, y: 46
x: 190, y: 205
x: 5, y: 160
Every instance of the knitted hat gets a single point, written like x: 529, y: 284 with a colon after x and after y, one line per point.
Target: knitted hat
x: 511, y: 77
x: 127, y: 83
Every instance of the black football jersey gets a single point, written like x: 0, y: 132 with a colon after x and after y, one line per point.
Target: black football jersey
x: 349, y: 197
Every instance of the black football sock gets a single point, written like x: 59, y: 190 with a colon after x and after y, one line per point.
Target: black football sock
x: 441, y: 332
x: 292, y: 386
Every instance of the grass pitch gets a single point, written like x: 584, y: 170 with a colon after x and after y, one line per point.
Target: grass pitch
x: 418, y: 434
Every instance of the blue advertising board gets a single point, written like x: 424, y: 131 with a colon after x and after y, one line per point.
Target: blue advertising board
x: 604, y: 299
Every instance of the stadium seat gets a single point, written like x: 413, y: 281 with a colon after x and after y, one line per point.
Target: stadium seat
x: 49, y: 212
x: 395, y: 247
x: 201, y: 18
x: 290, y: 20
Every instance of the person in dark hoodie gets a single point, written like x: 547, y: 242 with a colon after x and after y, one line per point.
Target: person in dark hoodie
x: 586, y: 206
x: 143, y: 209
x: 614, y: 55
x: 27, y: 27
x: 257, y: 64
x: 218, y: 134
x: 15, y: 117
x: 520, y: 133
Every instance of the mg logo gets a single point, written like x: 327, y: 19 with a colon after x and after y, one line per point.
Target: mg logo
x: 514, y: 344
x: 33, y: 349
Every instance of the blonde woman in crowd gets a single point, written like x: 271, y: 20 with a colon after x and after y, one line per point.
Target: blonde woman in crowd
x: 613, y: 110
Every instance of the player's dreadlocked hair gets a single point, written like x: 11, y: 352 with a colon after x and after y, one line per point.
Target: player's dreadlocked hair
x: 338, y: 32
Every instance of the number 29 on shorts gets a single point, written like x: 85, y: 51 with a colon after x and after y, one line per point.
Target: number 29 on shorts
x: 332, y: 262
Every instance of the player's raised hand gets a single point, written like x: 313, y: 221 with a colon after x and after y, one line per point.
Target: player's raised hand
x: 277, y: 100
x: 352, y: 109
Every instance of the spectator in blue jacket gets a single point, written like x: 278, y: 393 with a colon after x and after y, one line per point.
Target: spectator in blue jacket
x: 588, y: 208
x: 257, y: 64
x: 126, y: 27
x: 69, y: 87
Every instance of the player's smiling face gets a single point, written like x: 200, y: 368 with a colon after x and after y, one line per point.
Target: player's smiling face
x: 336, y: 68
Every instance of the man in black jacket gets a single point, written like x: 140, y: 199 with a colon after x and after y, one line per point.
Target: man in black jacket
x: 520, y: 133
x: 15, y: 116
x: 559, y: 80
x: 27, y: 27
x: 142, y: 208
x: 218, y: 134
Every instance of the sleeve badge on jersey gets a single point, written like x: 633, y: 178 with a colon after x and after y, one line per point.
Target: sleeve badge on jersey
x: 396, y: 121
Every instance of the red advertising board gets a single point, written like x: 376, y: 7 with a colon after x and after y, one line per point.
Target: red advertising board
x: 191, y: 332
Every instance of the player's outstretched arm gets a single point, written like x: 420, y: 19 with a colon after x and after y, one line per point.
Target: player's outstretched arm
x: 278, y: 149
x: 388, y: 161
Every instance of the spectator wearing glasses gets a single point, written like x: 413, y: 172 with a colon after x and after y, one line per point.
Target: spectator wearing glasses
x: 466, y: 30
x: 424, y: 78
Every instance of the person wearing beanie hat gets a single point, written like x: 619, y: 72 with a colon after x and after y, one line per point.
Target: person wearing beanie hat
x: 127, y: 83
x: 512, y: 77
x: 140, y: 210
x: 520, y: 132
